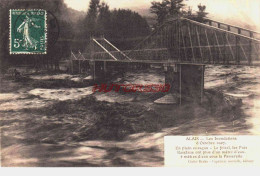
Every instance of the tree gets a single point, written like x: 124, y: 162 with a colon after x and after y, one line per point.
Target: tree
x: 91, y: 18
x: 167, y: 9
x: 128, y: 24
x: 160, y: 10
x: 104, y: 20
x: 201, y: 14
x: 115, y: 24
x: 175, y: 8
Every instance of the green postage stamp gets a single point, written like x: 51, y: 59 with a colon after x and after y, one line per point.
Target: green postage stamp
x: 28, y: 31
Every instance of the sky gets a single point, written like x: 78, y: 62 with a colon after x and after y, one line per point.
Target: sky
x: 83, y: 4
x: 240, y: 9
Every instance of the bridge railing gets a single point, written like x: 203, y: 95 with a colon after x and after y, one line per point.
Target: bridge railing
x: 184, y: 40
x: 117, y: 55
x: 236, y: 29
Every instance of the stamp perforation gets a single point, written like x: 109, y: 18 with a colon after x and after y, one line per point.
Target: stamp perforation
x: 45, y: 33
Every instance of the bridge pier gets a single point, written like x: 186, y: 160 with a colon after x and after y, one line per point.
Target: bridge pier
x: 79, y: 66
x: 186, y: 80
x: 104, y: 70
x: 99, y: 70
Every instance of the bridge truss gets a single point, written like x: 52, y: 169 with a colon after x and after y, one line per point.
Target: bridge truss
x: 185, y: 41
x: 183, y: 47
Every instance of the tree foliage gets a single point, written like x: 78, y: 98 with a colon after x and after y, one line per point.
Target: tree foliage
x: 91, y: 18
x: 161, y: 10
x: 104, y: 19
x: 167, y: 9
x: 115, y: 24
x: 201, y: 14
x: 128, y: 24
x: 174, y: 9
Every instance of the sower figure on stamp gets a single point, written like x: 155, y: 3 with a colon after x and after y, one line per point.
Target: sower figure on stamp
x: 25, y: 27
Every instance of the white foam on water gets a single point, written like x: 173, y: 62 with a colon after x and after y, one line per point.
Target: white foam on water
x: 88, y: 78
x: 144, y: 78
x: 46, y: 77
x: 238, y: 95
x: 63, y: 93
x: 76, y: 79
x: 8, y: 96
x: 113, y: 97
x: 22, y: 104
x: 214, y: 83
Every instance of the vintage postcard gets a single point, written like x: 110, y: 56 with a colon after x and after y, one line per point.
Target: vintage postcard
x: 130, y: 83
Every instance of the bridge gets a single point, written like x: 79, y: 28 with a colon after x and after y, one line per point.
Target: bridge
x: 182, y: 46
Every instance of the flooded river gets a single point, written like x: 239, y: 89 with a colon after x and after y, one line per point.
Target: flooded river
x: 72, y: 126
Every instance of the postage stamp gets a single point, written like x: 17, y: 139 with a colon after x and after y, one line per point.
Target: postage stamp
x: 28, y: 31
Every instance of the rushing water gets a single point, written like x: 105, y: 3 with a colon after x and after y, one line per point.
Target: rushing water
x: 31, y: 139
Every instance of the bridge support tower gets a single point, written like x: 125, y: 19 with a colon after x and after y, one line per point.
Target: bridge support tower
x: 186, y: 80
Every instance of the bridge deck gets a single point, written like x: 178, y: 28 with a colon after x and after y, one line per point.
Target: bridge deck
x: 256, y: 63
